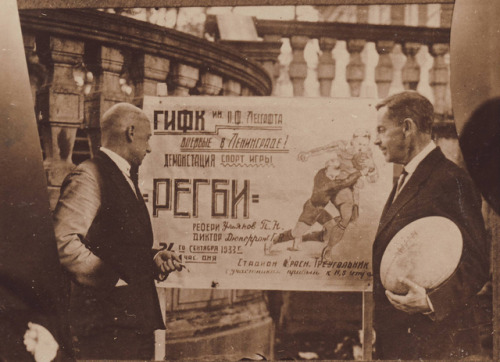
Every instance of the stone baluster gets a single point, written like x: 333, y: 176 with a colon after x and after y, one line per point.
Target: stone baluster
x: 231, y: 88
x: 326, y: 66
x: 210, y: 84
x: 355, y: 70
x: 60, y: 103
x: 183, y: 78
x: 149, y: 75
x: 384, y: 71
x: 411, y: 69
x: 106, y: 63
x: 439, y: 77
x: 298, y: 66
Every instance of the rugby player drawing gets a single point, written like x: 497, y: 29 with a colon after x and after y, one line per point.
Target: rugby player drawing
x: 339, y: 183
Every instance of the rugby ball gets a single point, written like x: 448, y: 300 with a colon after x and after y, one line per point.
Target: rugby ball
x: 426, y: 251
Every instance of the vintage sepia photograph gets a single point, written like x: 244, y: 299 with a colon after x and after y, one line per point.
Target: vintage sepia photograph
x: 228, y: 180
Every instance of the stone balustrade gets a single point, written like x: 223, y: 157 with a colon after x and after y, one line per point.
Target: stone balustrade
x: 402, y: 53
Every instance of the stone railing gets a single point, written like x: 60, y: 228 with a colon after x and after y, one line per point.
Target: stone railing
x: 385, y: 57
x: 83, y: 61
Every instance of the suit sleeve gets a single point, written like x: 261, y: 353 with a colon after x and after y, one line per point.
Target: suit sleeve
x: 462, y: 204
x: 76, y: 209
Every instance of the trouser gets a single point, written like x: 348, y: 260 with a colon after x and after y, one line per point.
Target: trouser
x: 115, y: 344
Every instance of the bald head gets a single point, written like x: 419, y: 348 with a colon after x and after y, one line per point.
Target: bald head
x: 125, y: 129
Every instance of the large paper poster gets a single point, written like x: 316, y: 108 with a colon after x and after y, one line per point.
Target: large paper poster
x: 266, y: 193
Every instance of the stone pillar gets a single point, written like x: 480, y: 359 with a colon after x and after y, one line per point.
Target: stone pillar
x: 231, y: 88
x: 106, y: 63
x: 149, y: 75
x: 37, y: 72
x: 384, y: 70
x: 298, y: 66
x: 274, y: 71
x: 355, y: 70
x: 60, y: 106
x: 210, y: 84
x: 411, y: 69
x: 439, y: 77
x: 183, y: 79
x: 326, y: 66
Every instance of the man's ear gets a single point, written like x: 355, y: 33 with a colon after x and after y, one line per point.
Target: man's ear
x: 129, y: 133
x: 409, y: 126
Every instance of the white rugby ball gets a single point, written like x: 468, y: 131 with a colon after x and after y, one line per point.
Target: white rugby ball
x: 426, y: 251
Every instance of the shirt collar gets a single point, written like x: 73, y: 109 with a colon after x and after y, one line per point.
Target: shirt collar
x: 122, y: 163
x: 411, y: 166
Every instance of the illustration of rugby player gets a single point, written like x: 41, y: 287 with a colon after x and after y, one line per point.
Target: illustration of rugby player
x: 339, y: 183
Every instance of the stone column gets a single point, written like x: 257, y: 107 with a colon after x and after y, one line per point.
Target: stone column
x: 298, y: 66
x: 326, y: 66
x: 231, y: 88
x: 439, y: 77
x: 384, y: 70
x: 355, y: 70
x: 106, y: 63
x: 411, y: 69
x: 210, y: 84
x: 183, y: 78
x: 60, y: 106
x: 274, y: 71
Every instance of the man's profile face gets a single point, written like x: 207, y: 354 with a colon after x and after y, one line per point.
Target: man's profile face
x: 390, y: 138
x: 140, y: 144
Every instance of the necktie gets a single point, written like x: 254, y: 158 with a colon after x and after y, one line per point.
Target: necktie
x: 401, y: 182
x: 134, y: 176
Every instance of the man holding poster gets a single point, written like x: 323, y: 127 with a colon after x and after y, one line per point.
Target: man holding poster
x: 435, y: 323
x: 105, y: 241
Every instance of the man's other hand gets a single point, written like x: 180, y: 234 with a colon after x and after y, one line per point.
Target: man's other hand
x: 166, y: 262
x: 415, y: 301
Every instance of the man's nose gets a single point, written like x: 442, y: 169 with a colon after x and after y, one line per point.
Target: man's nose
x: 148, y: 149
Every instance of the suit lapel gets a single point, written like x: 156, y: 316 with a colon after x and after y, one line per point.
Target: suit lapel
x: 410, y: 190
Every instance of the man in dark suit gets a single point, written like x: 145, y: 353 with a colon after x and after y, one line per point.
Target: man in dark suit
x: 438, y: 323
x: 105, y: 241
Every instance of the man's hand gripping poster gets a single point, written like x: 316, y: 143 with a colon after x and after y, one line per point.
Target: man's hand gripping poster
x: 266, y: 193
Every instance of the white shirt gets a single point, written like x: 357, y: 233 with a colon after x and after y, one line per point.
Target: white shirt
x: 122, y: 164
x: 411, y: 166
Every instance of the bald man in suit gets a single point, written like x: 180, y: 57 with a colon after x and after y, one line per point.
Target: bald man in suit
x: 105, y: 242
x: 434, y: 323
